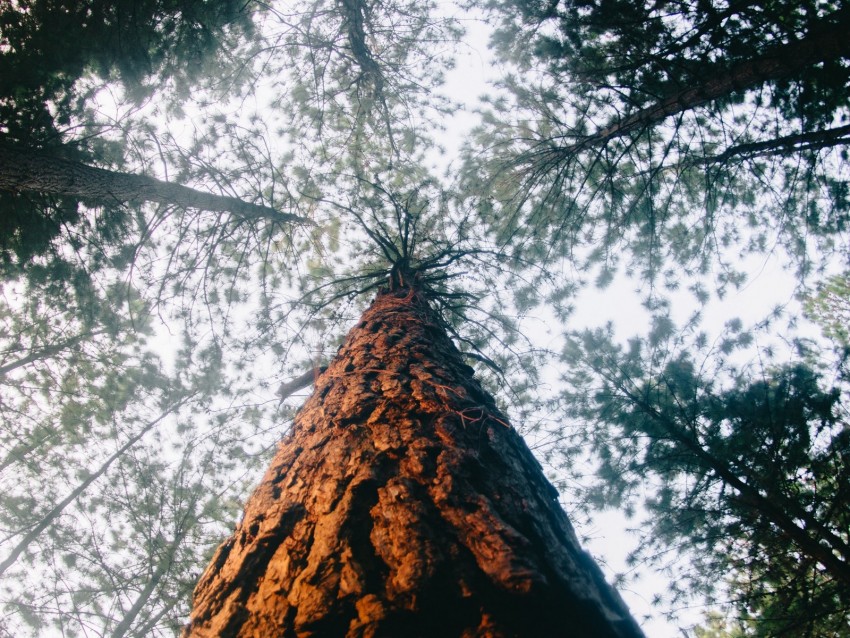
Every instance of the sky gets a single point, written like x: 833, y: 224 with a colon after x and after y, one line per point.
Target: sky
x: 621, y: 303
x: 769, y: 285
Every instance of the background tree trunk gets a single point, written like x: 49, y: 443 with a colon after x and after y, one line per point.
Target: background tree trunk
x: 826, y: 42
x: 37, y: 172
x: 402, y: 503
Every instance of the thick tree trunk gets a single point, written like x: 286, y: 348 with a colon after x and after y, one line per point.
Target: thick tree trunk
x: 403, y: 504
x: 23, y: 171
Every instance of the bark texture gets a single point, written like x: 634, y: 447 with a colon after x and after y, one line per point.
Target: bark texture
x: 403, y: 504
x: 23, y: 171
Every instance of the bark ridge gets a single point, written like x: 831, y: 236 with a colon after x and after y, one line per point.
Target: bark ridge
x: 403, y: 504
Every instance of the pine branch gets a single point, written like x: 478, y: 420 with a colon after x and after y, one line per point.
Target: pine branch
x: 814, y: 140
x: 289, y: 388
x: 57, y: 510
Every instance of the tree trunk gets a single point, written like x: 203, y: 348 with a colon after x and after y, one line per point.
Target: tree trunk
x: 827, y: 41
x: 36, y: 172
x: 403, y: 504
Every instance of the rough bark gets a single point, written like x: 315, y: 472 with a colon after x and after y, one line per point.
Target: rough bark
x: 36, y: 172
x: 402, y: 503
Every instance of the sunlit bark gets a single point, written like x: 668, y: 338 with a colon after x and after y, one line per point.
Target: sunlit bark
x: 403, y: 503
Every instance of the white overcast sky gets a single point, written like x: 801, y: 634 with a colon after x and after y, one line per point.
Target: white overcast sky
x: 769, y: 285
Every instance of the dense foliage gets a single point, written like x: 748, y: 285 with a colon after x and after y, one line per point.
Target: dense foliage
x: 749, y: 477
x: 141, y: 344
x: 679, y: 131
x: 56, y: 57
x: 49, y: 45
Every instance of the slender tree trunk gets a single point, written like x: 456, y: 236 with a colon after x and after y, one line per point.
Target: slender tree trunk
x: 47, y: 351
x: 36, y: 172
x: 163, y: 566
x: 827, y: 41
x: 403, y: 504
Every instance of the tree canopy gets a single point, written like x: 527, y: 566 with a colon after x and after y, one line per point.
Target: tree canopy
x: 750, y: 479
x: 676, y: 130
x: 144, y: 332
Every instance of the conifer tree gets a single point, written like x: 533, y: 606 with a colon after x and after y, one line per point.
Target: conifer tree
x: 403, y: 503
x: 141, y: 344
x: 674, y: 129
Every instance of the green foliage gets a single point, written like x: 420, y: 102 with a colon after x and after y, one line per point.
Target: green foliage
x: 117, y: 474
x: 140, y: 347
x: 638, y: 135
x: 644, y: 51
x: 829, y: 307
x: 747, y: 475
x: 55, y: 56
x: 717, y: 627
x: 49, y: 45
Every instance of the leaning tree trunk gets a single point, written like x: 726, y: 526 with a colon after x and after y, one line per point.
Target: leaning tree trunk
x: 22, y: 171
x: 826, y: 41
x: 403, y: 504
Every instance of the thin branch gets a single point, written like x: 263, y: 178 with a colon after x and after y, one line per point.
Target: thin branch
x: 54, y: 513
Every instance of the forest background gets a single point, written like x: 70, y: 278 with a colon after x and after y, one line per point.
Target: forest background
x: 670, y: 150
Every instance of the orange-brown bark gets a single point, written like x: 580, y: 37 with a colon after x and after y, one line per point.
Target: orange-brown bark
x: 403, y: 504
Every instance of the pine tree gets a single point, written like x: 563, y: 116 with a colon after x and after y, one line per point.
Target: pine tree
x: 749, y: 475
x: 403, y: 503
x: 672, y: 130
x: 55, y: 58
x: 121, y: 470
